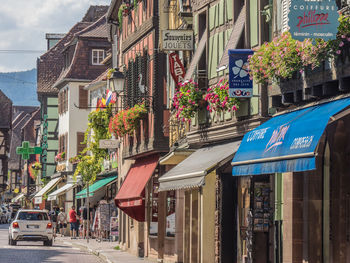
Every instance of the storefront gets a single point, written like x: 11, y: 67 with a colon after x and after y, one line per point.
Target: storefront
x: 193, y: 183
x: 39, y: 198
x: 290, y: 205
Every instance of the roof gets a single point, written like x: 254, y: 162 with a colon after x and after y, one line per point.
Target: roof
x: 6, y: 111
x: 23, y: 116
x: 95, y: 12
x: 51, y: 63
x: 96, y: 30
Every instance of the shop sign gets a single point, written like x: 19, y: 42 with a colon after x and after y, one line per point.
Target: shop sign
x: 240, y: 84
x: 44, y: 146
x: 109, y: 144
x: 313, y: 19
x: 177, y: 39
x: 177, y: 69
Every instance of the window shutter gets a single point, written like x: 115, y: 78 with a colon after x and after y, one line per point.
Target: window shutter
x: 59, y: 103
x: 83, y: 98
x: 66, y: 100
x: 66, y: 144
x: 80, y: 139
x: 285, y: 12
x: 59, y: 144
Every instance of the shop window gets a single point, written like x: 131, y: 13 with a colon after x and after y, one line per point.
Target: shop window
x: 98, y: 55
x: 170, y: 215
x: 153, y: 229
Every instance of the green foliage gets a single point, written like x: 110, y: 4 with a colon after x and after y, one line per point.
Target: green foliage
x: 283, y: 56
x: 186, y: 100
x: 89, y: 166
x: 127, y: 121
x: 219, y: 99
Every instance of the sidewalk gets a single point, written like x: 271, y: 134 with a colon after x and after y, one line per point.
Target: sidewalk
x: 105, y: 250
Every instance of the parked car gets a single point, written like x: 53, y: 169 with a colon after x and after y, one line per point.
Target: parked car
x: 31, y: 225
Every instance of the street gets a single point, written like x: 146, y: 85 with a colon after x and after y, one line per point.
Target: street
x: 35, y: 252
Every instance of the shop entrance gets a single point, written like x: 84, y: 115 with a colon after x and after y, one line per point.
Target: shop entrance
x: 255, y: 201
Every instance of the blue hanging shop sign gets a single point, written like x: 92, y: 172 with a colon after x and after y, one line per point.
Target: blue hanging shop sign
x: 241, y: 86
x: 313, y: 19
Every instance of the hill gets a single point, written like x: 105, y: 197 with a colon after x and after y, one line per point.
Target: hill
x: 20, y: 87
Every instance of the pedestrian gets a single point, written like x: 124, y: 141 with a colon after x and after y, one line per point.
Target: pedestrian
x: 53, y: 218
x: 73, y: 220
x: 62, y: 221
x: 85, y: 221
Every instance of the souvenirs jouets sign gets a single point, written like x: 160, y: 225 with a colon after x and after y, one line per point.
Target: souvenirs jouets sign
x: 240, y: 84
x: 313, y: 19
x: 177, y: 40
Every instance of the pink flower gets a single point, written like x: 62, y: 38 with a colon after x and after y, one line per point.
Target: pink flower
x: 348, y: 39
x: 338, y: 52
x: 341, y: 44
x: 208, y: 108
x: 343, y: 36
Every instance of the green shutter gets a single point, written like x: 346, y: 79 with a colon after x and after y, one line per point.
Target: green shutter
x: 221, y: 12
x: 254, y: 16
x: 254, y: 101
x: 212, y: 17
x: 278, y: 196
x: 229, y: 8
x: 195, y: 24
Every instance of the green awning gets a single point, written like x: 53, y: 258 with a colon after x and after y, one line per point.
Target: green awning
x: 94, y: 187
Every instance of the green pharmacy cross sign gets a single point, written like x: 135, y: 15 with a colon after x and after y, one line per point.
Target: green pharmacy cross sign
x: 26, y: 150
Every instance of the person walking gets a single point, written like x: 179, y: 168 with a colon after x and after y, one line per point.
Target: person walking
x: 73, y: 220
x: 85, y: 221
x: 53, y: 218
x: 62, y: 221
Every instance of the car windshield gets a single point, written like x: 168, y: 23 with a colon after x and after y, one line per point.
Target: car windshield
x: 32, y: 216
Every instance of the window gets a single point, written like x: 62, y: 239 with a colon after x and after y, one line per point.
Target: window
x: 98, y: 55
x: 32, y: 216
x: 83, y: 98
x: 63, y: 101
x: 80, y: 139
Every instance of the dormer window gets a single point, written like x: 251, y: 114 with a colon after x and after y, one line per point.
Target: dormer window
x: 98, y: 55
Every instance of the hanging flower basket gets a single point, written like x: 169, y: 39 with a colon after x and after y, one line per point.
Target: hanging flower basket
x: 218, y: 98
x: 186, y: 100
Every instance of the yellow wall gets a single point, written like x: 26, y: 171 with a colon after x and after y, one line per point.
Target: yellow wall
x: 208, y: 219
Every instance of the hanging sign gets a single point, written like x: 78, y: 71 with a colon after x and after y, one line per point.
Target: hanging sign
x: 177, y: 70
x: 240, y: 84
x: 177, y: 39
x: 313, y: 19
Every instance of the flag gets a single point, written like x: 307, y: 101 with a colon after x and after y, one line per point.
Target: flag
x: 114, y: 97
x: 108, y: 97
x: 99, y: 104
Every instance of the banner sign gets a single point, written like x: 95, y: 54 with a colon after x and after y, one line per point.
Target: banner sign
x: 177, y: 70
x: 177, y: 39
x: 240, y: 84
x: 313, y: 19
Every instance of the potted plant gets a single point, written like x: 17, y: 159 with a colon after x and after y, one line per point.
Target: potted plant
x: 218, y: 98
x: 187, y: 100
x: 74, y: 160
x: 60, y: 157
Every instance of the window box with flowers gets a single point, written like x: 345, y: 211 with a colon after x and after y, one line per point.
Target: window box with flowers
x: 284, y: 57
x: 127, y: 121
x: 187, y: 101
x: 60, y: 157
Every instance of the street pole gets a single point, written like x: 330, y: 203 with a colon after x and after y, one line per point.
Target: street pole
x: 27, y: 184
x: 88, y: 213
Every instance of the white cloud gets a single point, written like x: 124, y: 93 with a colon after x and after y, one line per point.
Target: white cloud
x: 23, y: 24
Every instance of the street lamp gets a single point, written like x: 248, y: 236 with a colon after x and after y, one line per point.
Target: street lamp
x: 117, y: 81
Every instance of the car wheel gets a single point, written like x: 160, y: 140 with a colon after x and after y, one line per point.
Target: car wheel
x: 13, y: 242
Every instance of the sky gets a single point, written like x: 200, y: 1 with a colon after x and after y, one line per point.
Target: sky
x: 23, y: 24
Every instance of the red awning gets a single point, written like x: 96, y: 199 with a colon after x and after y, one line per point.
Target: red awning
x: 130, y: 197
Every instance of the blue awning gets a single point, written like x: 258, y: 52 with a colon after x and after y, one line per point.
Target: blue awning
x: 285, y: 143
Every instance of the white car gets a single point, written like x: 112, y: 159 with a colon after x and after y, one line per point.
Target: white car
x: 31, y: 225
